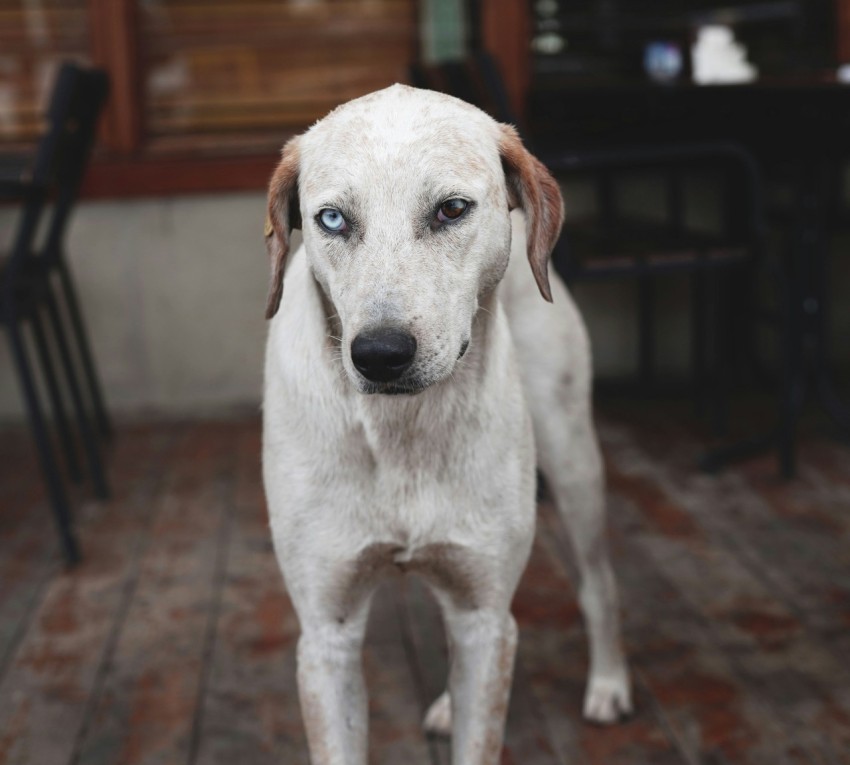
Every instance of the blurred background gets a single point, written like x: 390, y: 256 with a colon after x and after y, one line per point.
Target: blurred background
x: 203, y: 94
x: 702, y: 149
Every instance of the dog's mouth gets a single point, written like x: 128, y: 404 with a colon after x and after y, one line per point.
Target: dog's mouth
x: 395, y: 388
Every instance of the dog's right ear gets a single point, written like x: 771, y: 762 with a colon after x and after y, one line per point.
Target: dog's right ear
x: 283, y: 215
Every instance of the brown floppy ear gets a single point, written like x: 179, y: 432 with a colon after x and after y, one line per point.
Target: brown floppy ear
x: 283, y: 216
x: 531, y: 187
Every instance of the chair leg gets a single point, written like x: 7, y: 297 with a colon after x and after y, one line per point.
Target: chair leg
x: 104, y: 422
x: 64, y: 431
x: 646, y: 330
x: 55, y: 490
x: 699, y: 366
x: 89, y: 438
x: 719, y: 356
x: 792, y: 382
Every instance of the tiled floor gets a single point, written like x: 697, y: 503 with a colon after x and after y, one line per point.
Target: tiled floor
x: 174, y: 641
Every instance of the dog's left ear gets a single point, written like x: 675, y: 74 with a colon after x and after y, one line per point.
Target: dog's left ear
x: 531, y: 187
x: 283, y: 215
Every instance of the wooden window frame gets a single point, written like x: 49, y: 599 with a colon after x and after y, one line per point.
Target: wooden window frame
x: 506, y: 35
x: 128, y: 162
x: 843, y: 13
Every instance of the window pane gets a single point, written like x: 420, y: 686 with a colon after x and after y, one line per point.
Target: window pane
x: 35, y: 37
x: 259, y: 65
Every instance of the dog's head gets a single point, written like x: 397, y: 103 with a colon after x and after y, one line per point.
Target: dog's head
x: 404, y: 200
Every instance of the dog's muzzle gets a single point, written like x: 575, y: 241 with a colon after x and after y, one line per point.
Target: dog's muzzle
x: 383, y: 355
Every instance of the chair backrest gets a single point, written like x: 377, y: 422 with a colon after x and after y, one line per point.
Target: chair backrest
x: 76, y: 137
x: 76, y: 101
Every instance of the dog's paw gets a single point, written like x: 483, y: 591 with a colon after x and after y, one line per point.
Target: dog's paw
x: 608, y: 700
x: 438, y: 719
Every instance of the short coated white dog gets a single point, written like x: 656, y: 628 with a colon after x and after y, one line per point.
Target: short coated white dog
x: 411, y: 369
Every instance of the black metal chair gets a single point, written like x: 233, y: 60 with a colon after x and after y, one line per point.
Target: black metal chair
x: 25, y: 280
x: 69, y: 178
x: 611, y: 246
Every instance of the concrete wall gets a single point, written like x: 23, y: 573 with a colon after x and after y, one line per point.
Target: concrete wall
x: 173, y: 292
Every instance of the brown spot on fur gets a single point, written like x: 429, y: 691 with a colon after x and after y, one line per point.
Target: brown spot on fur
x: 499, y: 694
x: 566, y: 381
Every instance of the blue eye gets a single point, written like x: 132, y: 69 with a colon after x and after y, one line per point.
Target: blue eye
x: 332, y: 220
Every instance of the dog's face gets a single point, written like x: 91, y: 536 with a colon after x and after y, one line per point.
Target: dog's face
x: 404, y: 199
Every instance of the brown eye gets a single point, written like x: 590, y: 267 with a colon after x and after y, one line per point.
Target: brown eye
x: 452, y: 209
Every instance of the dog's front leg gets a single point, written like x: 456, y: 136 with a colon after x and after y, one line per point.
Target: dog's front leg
x: 332, y: 690
x: 483, y: 645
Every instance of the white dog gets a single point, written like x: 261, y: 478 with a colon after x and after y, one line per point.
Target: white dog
x: 404, y: 379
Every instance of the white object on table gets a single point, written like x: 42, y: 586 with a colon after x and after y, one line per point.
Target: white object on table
x: 718, y: 58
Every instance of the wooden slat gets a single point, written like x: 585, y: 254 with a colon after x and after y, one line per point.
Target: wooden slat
x: 28, y: 548
x: 180, y: 174
x: 115, y: 47
x: 279, y: 58
x: 554, y: 650
x: 145, y: 710
x: 45, y: 691
x: 174, y: 641
x: 710, y: 713
x: 527, y: 739
x: 425, y: 641
x: 395, y: 710
x: 843, y: 12
x: 250, y: 710
x: 733, y: 587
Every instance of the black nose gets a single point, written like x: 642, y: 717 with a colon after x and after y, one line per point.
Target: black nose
x: 382, y: 355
